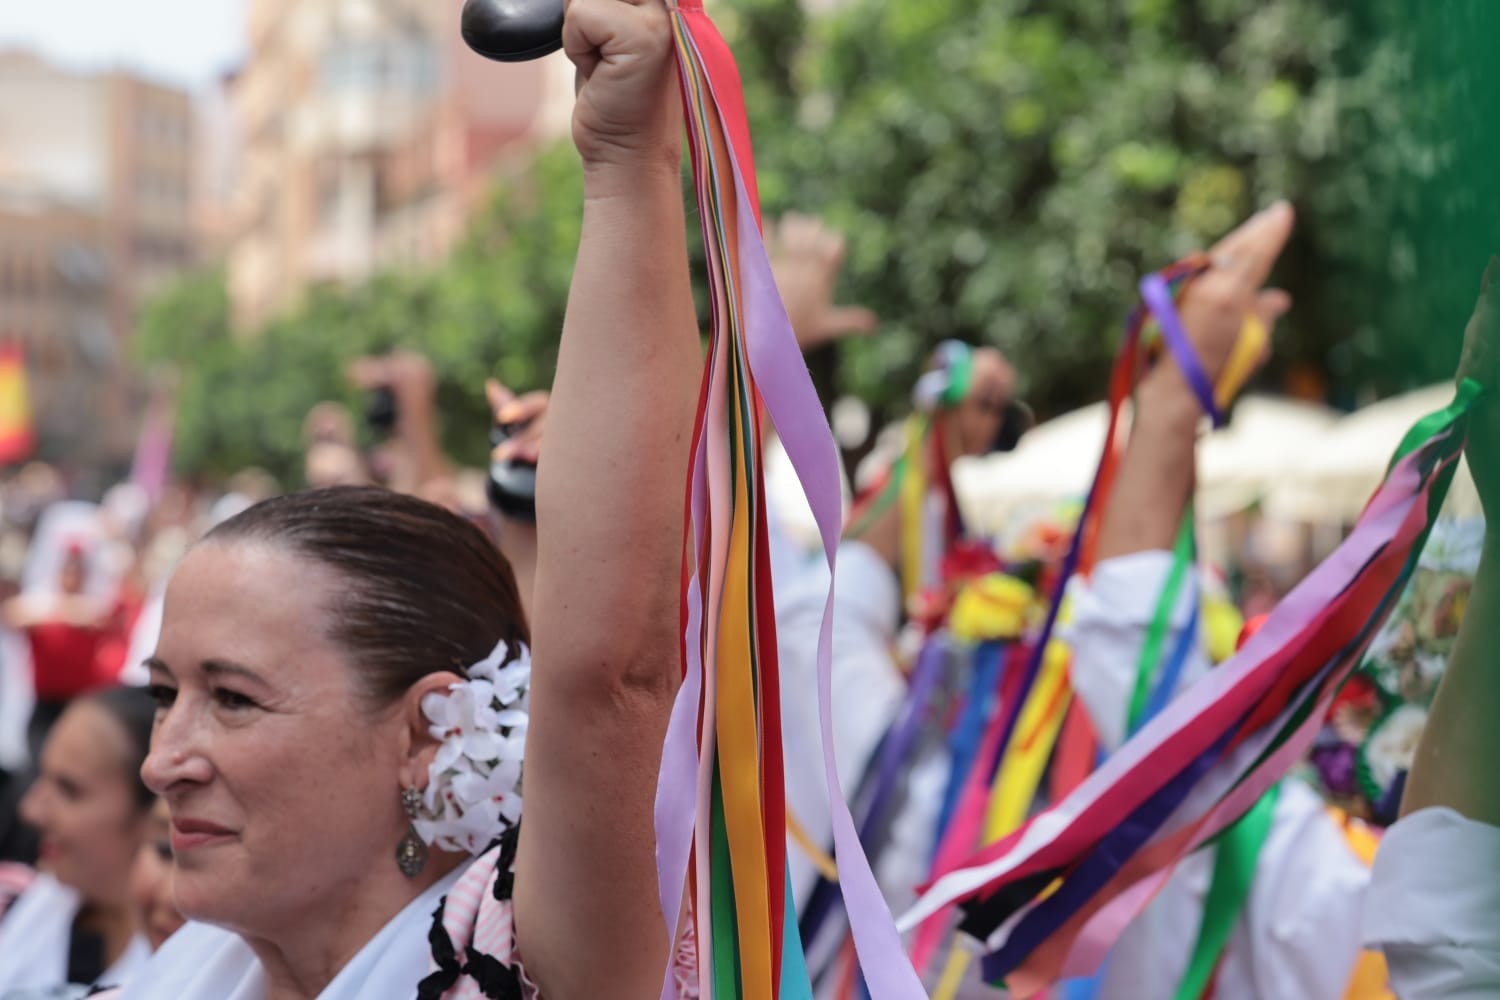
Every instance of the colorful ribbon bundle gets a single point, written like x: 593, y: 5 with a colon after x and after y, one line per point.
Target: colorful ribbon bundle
x: 1049, y: 900
x: 720, y: 811
x: 1023, y: 732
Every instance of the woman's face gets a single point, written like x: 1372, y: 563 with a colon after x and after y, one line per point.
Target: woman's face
x: 151, y: 879
x: 980, y: 414
x: 84, y: 804
x: 283, y: 785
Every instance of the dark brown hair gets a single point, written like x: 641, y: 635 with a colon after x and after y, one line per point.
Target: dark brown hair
x: 134, y: 710
x: 424, y: 590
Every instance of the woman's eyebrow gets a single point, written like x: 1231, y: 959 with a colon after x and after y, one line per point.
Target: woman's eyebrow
x: 219, y: 667
x: 153, y: 663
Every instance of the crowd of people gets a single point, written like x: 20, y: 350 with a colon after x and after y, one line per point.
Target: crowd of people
x: 269, y: 745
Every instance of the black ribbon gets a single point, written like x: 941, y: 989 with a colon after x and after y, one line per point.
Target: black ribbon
x: 443, y: 953
x: 496, y: 980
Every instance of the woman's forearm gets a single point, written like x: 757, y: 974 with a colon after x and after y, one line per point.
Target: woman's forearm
x: 610, y: 494
x: 610, y: 520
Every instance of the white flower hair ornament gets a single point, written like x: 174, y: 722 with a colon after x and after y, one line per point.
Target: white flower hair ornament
x: 473, y: 792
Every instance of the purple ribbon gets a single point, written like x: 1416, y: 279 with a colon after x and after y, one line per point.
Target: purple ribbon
x: 1157, y: 295
x: 903, y: 735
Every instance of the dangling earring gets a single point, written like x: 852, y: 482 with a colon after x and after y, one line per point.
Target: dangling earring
x: 411, y: 853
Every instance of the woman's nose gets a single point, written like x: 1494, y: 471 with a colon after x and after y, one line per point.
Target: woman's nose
x: 174, y: 756
x: 34, y: 805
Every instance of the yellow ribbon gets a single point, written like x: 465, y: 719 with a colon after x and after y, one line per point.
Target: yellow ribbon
x: 913, y: 499
x: 995, y: 606
x: 1243, y: 360
x: 821, y: 859
x: 1020, y: 771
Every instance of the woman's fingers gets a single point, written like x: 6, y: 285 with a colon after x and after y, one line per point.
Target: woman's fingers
x: 1249, y: 253
x: 1270, y: 305
x: 526, y: 409
x: 1217, y: 304
x: 498, y: 396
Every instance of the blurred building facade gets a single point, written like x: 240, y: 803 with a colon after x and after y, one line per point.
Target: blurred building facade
x: 95, y: 216
x: 366, y: 133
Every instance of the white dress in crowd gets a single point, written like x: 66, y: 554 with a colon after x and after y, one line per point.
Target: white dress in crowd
x: 35, y: 936
x: 1299, y: 936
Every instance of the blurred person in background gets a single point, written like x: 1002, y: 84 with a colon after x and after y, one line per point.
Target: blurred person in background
x: 401, y: 390
x: 151, y: 879
x: 64, y: 629
x: 72, y: 924
x: 884, y: 564
x: 332, y: 455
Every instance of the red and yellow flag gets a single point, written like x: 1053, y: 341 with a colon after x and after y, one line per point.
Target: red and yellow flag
x: 17, y: 436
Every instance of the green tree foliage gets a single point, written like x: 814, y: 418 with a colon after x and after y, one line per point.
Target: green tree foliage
x: 495, y: 308
x: 1433, y: 217
x: 1004, y: 170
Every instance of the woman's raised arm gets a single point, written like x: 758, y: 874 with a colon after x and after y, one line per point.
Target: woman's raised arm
x: 610, y: 525
x: 1461, y: 739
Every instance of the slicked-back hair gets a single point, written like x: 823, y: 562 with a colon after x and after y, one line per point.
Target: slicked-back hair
x: 421, y: 590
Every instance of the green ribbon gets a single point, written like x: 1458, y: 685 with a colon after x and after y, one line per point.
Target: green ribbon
x: 1235, y: 858
x: 883, y: 500
x: 1156, y: 633
x: 1468, y: 393
x: 961, y: 376
x: 723, y: 923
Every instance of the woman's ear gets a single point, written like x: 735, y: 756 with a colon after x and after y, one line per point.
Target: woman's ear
x: 419, y: 746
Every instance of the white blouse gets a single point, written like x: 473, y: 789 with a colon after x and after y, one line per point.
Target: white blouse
x: 1435, y: 906
x: 201, y: 962
x: 35, y: 937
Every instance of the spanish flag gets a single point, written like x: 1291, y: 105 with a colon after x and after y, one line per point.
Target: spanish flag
x: 17, y: 436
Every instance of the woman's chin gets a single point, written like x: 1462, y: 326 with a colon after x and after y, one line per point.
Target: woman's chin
x: 206, y: 900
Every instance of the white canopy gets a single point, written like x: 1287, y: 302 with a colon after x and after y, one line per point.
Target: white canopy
x: 1301, y: 460
x: 1331, y: 477
x: 1056, y: 461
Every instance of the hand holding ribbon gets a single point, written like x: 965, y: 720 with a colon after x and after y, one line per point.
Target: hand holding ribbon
x: 624, y: 115
x: 1221, y: 334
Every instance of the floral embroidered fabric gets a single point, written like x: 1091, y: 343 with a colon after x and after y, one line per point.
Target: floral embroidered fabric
x: 473, y: 938
x: 1362, y: 755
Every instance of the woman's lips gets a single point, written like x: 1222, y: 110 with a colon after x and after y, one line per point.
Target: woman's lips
x: 188, y: 834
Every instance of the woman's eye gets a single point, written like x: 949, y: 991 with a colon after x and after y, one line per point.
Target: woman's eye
x: 162, y: 695
x: 232, y: 699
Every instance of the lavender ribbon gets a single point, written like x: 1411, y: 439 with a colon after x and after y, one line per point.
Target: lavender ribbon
x: 792, y: 402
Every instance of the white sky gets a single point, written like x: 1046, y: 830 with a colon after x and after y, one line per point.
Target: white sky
x: 182, y: 42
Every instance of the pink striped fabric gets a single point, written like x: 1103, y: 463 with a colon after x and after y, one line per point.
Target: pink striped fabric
x: 474, y: 918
